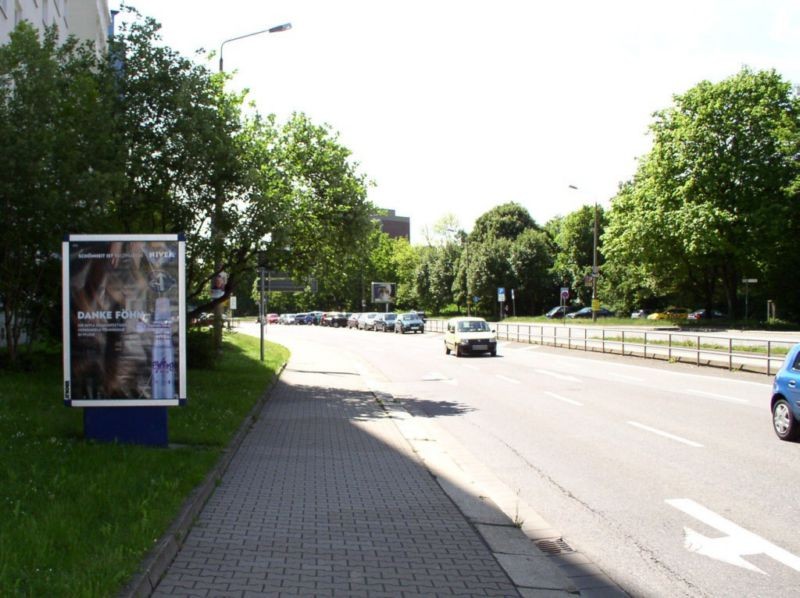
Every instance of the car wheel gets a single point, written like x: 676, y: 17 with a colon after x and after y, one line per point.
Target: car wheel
x: 446, y: 349
x: 458, y: 350
x: 783, y: 422
x: 494, y: 352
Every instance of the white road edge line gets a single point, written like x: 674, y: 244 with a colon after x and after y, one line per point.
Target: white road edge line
x: 557, y: 375
x: 624, y: 377
x: 665, y: 434
x: 717, y: 397
x: 507, y: 379
x: 564, y: 399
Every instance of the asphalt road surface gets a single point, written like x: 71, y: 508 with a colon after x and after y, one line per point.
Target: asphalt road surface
x: 667, y: 476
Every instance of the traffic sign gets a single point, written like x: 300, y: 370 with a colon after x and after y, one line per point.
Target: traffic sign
x: 565, y: 293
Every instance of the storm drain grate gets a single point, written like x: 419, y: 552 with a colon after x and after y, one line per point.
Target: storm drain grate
x: 553, y: 546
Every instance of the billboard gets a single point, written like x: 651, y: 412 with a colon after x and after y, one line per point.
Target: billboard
x: 124, y: 320
x: 384, y: 292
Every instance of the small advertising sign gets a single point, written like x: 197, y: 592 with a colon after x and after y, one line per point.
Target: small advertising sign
x: 384, y: 292
x: 501, y: 294
x: 124, y: 319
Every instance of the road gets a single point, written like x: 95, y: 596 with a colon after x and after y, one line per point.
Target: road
x: 668, y: 477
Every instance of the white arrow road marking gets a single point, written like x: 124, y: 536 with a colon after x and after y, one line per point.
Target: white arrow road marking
x: 717, y: 397
x: 666, y: 434
x: 564, y: 399
x: 507, y: 379
x: 557, y: 375
x: 730, y: 548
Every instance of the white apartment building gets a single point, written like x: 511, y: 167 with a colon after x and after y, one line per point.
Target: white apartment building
x: 86, y: 19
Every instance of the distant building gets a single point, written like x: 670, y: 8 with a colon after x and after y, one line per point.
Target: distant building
x: 85, y: 19
x: 395, y: 226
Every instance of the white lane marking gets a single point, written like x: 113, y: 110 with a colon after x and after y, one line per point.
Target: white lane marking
x: 507, y: 379
x: 624, y: 377
x: 666, y: 434
x: 564, y: 399
x: 717, y: 397
x: 557, y: 375
x: 730, y: 548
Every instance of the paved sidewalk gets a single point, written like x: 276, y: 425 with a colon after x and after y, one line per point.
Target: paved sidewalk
x: 325, y: 497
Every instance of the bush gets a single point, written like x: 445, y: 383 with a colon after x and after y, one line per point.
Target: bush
x: 200, y: 349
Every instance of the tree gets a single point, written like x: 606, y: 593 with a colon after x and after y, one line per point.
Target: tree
x: 531, y: 261
x: 506, y: 221
x: 59, y: 153
x: 714, y: 197
x: 573, y: 236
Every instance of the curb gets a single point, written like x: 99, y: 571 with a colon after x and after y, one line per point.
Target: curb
x: 532, y: 571
x: 160, y: 557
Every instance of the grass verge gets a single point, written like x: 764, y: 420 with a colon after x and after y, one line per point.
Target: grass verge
x: 77, y: 517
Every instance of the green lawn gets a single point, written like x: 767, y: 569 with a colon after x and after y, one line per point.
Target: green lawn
x: 76, y: 517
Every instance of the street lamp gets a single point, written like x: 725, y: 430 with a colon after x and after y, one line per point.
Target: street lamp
x: 276, y: 29
x: 594, y: 263
x: 219, y: 201
x: 464, y: 249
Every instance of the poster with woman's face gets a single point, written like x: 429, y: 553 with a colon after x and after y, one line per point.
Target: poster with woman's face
x: 383, y: 292
x: 124, y: 320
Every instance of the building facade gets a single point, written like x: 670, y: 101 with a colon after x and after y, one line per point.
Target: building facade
x: 85, y: 19
x: 393, y: 225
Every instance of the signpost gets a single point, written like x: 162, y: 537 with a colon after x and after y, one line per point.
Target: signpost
x: 747, y: 282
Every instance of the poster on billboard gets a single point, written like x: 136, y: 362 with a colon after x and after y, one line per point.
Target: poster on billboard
x: 124, y: 320
x: 384, y: 292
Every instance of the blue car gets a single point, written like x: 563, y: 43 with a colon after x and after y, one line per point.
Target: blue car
x: 785, y: 401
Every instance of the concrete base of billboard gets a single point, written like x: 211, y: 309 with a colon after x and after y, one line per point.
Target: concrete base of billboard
x: 126, y: 425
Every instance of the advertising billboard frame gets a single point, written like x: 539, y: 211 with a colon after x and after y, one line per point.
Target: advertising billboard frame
x: 150, y: 327
x: 384, y: 292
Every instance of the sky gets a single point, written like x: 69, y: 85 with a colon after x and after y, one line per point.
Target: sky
x: 453, y: 107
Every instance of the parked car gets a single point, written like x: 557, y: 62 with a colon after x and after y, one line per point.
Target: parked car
x: 586, y: 312
x: 469, y: 335
x: 334, y: 319
x: 410, y: 322
x: 301, y: 319
x: 559, y: 311
x: 384, y: 322
x: 640, y: 314
x: 785, y: 403
x: 366, y: 320
x: 704, y: 314
x: 352, y: 320
x: 671, y: 313
x: 273, y: 318
x: 287, y: 319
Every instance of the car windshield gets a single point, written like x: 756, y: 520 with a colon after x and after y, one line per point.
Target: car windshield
x: 473, y: 326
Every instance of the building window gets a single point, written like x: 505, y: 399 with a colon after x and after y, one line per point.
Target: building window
x: 17, y: 13
x: 45, y: 12
x: 4, y: 8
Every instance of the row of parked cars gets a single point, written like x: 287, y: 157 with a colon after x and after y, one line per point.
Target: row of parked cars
x: 388, y: 321
x: 671, y: 313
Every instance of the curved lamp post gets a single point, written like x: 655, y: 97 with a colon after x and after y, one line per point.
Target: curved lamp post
x: 594, y: 263
x: 276, y: 29
x: 218, y: 204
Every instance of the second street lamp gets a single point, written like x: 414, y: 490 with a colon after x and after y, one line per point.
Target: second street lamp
x: 595, y: 306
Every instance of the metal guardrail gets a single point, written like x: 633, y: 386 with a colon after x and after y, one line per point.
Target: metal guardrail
x: 699, y: 348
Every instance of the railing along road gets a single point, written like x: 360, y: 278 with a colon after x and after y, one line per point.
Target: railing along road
x: 702, y: 348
